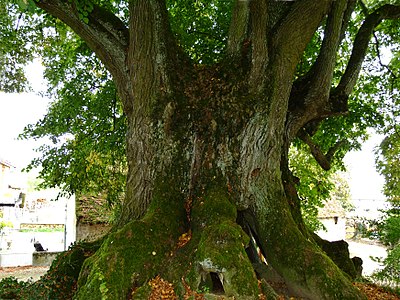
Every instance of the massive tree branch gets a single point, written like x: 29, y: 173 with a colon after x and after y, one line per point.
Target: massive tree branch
x: 259, y: 40
x: 322, y: 71
x: 238, y: 31
x: 295, y: 31
x: 105, y: 34
x: 360, y: 47
x: 310, y: 94
x: 351, y: 4
x: 337, y: 100
x: 288, y: 40
x: 152, y: 48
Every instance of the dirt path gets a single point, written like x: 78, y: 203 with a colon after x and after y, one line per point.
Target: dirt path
x: 23, y: 273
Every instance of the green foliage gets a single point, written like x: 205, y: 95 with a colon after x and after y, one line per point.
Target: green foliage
x: 11, y: 288
x: 316, y: 186
x: 390, y: 274
x: 85, y: 123
x: 84, y: 7
x: 388, y: 165
x: 15, y: 47
x: 82, y: 158
x: 391, y: 229
x: 374, y: 3
x: 201, y: 27
x: 388, y: 229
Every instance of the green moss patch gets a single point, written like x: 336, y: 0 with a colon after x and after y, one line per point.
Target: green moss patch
x: 131, y: 256
x: 220, y: 265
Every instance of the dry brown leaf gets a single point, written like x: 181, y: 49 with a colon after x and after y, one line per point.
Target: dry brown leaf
x: 184, y: 239
x: 161, y: 289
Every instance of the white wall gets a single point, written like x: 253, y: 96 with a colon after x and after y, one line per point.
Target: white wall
x: 334, y: 232
x: 70, y: 222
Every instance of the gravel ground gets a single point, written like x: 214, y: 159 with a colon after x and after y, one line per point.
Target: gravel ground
x: 23, y: 273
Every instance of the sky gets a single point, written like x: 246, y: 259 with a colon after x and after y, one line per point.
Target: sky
x: 18, y: 110
x: 365, y: 183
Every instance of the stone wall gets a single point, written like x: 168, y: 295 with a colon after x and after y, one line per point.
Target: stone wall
x: 91, y: 232
x: 42, y: 259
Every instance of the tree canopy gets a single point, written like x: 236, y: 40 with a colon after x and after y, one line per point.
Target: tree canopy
x: 206, y: 98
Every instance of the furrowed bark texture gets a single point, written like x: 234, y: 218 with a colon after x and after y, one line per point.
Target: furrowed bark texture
x: 208, y: 143
x: 145, y: 44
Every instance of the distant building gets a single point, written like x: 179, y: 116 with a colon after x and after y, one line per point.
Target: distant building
x: 333, y: 217
x: 43, y: 216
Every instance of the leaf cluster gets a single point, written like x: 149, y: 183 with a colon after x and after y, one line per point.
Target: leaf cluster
x: 316, y: 187
x: 85, y: 124
x: 16, y: 47
x: 201, y: 27
x: 390, y: 274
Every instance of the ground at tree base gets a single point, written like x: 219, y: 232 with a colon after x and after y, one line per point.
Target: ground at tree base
x: 375, y: 292
x: 23, y: 273
x: 161, y: 289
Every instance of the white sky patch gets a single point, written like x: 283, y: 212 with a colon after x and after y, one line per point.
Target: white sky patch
x: 17, y: 111
x: 364, y: 181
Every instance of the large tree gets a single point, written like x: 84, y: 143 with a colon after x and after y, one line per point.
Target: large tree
x: 212, y: 109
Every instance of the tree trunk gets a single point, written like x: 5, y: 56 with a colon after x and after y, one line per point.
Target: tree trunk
x: 189, y: 234
x: 208, y: 143
x: 208, y: 157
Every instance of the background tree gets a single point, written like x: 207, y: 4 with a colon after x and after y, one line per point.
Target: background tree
x: 214, y: 94
x: 388, y: 227
x: 387, y: 162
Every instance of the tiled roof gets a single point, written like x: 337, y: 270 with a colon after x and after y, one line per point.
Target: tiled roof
x: 332, y: 209
x: 92, y: 209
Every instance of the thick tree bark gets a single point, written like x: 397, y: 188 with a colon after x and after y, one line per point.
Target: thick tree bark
x: 205, y: 143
